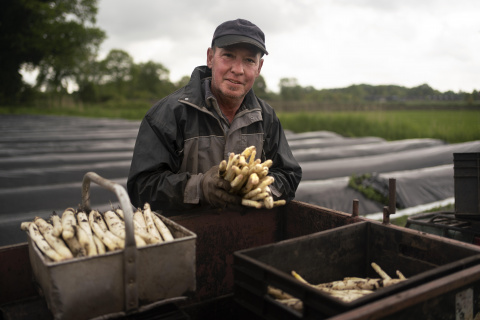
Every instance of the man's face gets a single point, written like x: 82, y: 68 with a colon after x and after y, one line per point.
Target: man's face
x: 234, y: 70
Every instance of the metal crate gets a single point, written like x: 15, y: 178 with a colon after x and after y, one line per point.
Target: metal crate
x: 119, y: 282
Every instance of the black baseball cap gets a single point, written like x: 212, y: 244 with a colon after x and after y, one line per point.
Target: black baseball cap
x: 239, y: 31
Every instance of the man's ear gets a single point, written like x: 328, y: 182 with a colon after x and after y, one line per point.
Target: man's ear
x: 260, y: 65
x: 210, y: 54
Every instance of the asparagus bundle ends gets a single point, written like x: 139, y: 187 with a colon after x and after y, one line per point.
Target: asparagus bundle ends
x: 249, y: 178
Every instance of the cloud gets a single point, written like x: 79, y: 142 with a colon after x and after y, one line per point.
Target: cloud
x: 323, y: 44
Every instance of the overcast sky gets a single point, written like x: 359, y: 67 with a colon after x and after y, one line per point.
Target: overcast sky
x: 321, y: 43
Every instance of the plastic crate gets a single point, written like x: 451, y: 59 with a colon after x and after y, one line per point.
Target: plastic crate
x: 338, y: 253
x: 466, y: 169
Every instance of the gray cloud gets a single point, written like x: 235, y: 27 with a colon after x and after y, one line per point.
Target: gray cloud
x: 321, y: 43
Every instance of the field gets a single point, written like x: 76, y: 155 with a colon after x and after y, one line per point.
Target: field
x: 452, y: 126
x: 448, y: 125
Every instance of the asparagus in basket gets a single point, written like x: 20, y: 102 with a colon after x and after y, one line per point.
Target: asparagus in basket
x: 78, y: 234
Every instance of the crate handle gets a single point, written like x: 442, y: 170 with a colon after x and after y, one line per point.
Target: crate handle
x: 130, y: 250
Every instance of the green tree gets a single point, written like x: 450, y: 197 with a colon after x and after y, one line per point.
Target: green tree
x: 290, y: 90
x: 149, y: 77
x: 116, y: 70
x: 260, y: 86
x: 117, y: 67
x: 88, y: 75
x: 421, y: 92
x: 476, y: 95
x: 182, y: 82
x: 53, y: 36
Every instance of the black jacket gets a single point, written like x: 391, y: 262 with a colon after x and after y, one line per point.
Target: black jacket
x: 180, y: 138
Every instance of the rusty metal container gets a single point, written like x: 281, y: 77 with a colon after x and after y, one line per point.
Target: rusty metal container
x: 334, y: 254
x: 120, y: 282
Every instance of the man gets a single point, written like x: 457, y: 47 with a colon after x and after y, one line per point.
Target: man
x: 185, y: 136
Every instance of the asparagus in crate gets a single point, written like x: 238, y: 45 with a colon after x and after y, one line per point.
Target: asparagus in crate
x: 347, y: 290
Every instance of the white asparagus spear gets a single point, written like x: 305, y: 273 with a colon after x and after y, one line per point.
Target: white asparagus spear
x: 251, y: 161
x: 56, y: 243
x: 162, y: 228
x: 86, y: 241
x: 260, y: 196
x: 380, y: 272
x: 278, y: 294
x: 120, y: 213
x: 222, y: 168
x: 252, y: 203
x: 139, y: 219
x: 400, y: 275
x: 252, y: 182
x: 293, y: 303
x: 74, y: 244
x: 252, y: 193
x: 359, y: 283
x: 57, y: 224
x: 139, y: 241
x: 42, y: 244
x: 68, y: 220
x: 115, y: 224
x: 151, y: 228
x: 268, y: 201
x: 25, y: 225
x: 97, y: 217
x: 231, y: 173
x: 267, y: 163
x: 278, y: 203
x: 144, y: 235
x: 84, y: 224
x: 101, y: 249
x: 105, y: 236
x: 99, y: 227
x: 266, y: 181
x: 141, y: 228
x: 248, y: 151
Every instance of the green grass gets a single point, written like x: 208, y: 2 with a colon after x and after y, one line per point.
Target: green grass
x: 130, y: 110
x: 356, y: 182
x: 402, y: 221
x: 452, y: 126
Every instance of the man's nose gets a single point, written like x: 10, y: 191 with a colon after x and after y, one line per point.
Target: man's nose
x: 237, y: 66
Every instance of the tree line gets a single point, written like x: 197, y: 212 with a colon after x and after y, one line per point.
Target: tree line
x: 59, y: 39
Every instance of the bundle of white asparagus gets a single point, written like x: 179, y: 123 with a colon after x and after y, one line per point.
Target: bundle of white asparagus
x: 347, y: 290
x: 78, y: 234
x: 249, y: 178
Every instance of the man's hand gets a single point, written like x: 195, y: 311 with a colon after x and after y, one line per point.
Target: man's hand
x: 215, y: 190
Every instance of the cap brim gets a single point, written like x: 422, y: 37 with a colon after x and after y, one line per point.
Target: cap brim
x: 234, y: 39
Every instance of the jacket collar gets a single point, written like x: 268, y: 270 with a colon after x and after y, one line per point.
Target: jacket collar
x: 194, y: 93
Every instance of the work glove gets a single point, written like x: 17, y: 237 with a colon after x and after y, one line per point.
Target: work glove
x: 215, y: 190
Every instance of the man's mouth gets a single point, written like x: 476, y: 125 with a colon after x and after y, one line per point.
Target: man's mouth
x: 234, y: 81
